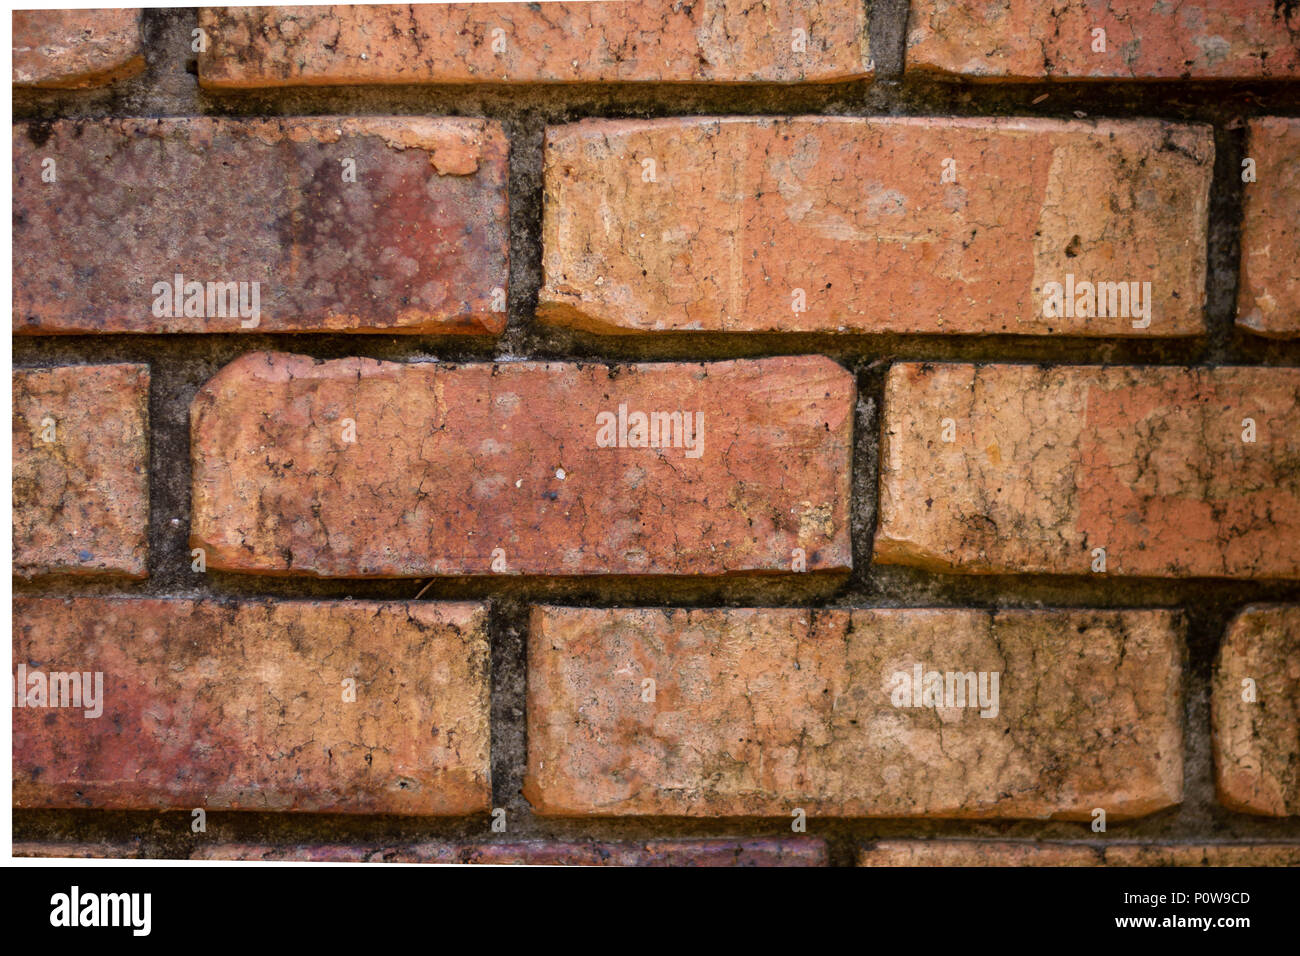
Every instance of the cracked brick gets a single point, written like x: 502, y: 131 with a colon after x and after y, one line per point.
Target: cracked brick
x: 417, y: 244
x: 735, y: 41
x: 1269, y: 293
x: 1024, y: 40
x: 240, y: 706
x: 457, y: 468
x: 1257, y: 740
x: 842, y: 224
x: 75, y: 49
x: 759, y: 712
x: 1048, y: 464
x: 81, y: 470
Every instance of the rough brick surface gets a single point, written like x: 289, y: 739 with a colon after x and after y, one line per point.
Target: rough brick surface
x: 857, y: 215
x: 416, y: 244
x: 241, y: 707
x: 73, y: 49
x: 1026, y: 853
x: 761, y: 712
x: 688, y: 853
x: 1269, y: 290
x: 81, y: 499
x: 1144, y: 40
x: 453, y: 463
x: 1048, y: 464
x: 636, y: 40
x: 105, y: 850
x: 1257, y: 740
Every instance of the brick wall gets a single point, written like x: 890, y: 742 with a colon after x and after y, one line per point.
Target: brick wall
x: 797, y: 433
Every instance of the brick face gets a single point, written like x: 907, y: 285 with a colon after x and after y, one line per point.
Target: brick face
x: 241, y: 706
x: 1257, y: 725
x: 735, y: 41
x: 1026, y: 853
x: 81, y: 470
x: 455, y: 469
x: 1269, y: 293
x: 688, y: 853
x: 416, y: 244
x: 74, y: 49
x: 1013, y: 40
x: 761, y: 712
x: 856, y: 215
x: 1047, y: 464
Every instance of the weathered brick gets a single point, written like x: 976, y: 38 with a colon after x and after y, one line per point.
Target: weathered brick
x: 1019, y: 40
x: 1257, y: 724
x: 81, y: 470
x: 798, y: 851
x: 74, y: 49
x: 242, y: 706
x: 1269, y: 297
x: 762, y: 712
x: 480, y: 468
x: 732, y: 41
x: 1046, y: 465
x: 102, y: 850
x: 416, y: 244
x: 1030, y: 853
x: 743, y: 215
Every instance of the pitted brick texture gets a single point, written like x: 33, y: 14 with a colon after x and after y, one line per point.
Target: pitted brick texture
x: 763, y: 712
x: 1257, y: 740
x: 457, y: 468
x: 734, y: 41
x: 1048, y: 464
x: 416, y: 244
x: 81, y: 500
x: 1269, y: 293
x: 834, y: 224
x: 1144, y: 39
x: 241, y: 706
x: 689, y: 853
x: 1028, y: 853
x: 74, y: 49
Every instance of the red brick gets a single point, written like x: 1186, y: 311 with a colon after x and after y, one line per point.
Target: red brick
x: 1257, y: 740
x: 744, y: 211
x: 241, y: 706
x: 762, y: 712
x: 1145, y: 40
x: 789, y: 852
x: 417, y: 244
x: 1027, y: 853
x: 452, y: 463
x: 82, y: 850
x: 74, y: 49
x: 81, y: 501
x: 732, y: 42
x: 1269, y: 297
x: 1048, y: 464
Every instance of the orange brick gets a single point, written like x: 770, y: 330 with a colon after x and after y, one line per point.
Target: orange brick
x: 765, y: 712
x: 1027, y: 853
x: 74, y: 49
x: 481, y: 469
x: 416, y: 244
x: 1269, y: 297
x: 1144, y: 40
x: 838, y: 224
x: 711, y: 853
x: 243, y: 706
x: 1256, y: 712
x: 735, y: 41
x: 81, y: 470
x: 1045, y: 465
